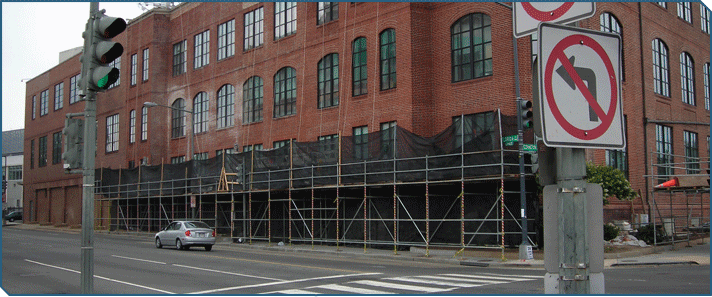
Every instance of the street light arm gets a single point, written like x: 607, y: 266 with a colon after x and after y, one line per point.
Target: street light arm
x: 154, y: 104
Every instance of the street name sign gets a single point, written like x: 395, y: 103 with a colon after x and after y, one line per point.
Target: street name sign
x: 528, y: 15
x: 579, y: 88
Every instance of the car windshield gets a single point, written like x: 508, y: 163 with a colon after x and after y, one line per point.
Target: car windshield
x: 196, y: 225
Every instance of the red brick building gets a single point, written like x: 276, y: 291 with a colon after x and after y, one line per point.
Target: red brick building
x: 258, y: 74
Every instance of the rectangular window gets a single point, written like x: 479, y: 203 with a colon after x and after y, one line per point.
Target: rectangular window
x: 328, y: 146
x: 285, y: 19
x: 132, y: 126
x: 225, y: 151
x: 134, y: 70
x: 74, y: 88
x: 327, y: 12
x: 663, y: 145
x: 201, y: 50
x: 177, y: 160
x: 705, y: 19
x: 180, y: 54
x: 617, y: 159
x: 44, y: 103
x: 253, y: 28
x: 200, y: 156
x: 226, y: 39
x: 32, y: 154
x: 132, y: 164
x: 475, y: 125
x: 145, y: 64
x: 692, y: 153
x: 34, y: 106
x: 116, y: 64
x: 249, y: 148
x: 662, y: 4
x: 42, y: 159
x: 281, y: 143
x: 360, y: 135
x: 144, y: 123
x: 388, y: 139
x: 388, y: 59
x: 684, y: 11
x: 14, y: 172
x: 59, y: 96
x: 112, y: 133
x: 706, y: 70
x: 57, y: 148
x: 359, y: 67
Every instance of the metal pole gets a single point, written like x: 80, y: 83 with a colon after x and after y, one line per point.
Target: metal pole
x: 87, y: 247
x: 524, y: 246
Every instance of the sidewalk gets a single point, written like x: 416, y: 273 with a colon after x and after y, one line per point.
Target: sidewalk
x: 697, y: 252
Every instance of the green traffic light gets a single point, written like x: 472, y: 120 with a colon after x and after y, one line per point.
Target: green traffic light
x: 103, y: 82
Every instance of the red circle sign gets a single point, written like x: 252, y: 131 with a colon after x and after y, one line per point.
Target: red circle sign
x: 557, y: 54
x: 546, y: 16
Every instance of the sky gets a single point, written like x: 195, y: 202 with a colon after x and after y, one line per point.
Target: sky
x: 33, y: 35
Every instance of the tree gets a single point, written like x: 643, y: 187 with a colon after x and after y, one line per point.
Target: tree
x: 612, y: 181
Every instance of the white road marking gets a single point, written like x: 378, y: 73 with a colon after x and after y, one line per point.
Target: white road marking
x: 336, y: 287
x: 283, y: 282
x: 463, y: 280
x: 417, y: 279
x: 401, y: 286
x: 516, y: 279
x: 294, y: 291
x: 135, y: 259
x: 104, y: 278
x: 513, y: 275
x: 231, y: 273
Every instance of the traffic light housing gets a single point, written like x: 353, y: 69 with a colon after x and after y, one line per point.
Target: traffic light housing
x: 526, y: 115
x: 73, y: 155
x: 99, y: 51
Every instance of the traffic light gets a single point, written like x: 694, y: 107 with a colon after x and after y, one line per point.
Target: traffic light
x: 99, y: 51
x: 525, y: 113
x: 73, y: 155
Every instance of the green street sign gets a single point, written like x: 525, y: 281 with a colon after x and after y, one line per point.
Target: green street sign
x: 510, y: 138
x: 508, y: 143
x: 529, y: 147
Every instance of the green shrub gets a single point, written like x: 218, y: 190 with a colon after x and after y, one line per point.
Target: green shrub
x: 645, y: 233
x: 610, y: 231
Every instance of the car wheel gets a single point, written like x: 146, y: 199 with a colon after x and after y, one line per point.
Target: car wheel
x: 11, y: 219
x: 158, y: 243
x: 208, y: 247
x: 179, y: 245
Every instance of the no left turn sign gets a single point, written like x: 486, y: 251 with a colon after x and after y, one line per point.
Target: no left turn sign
x: 579, y: 83
x: 528, y: 15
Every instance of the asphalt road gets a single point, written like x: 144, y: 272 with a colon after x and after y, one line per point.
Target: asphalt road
x: 38, y: 262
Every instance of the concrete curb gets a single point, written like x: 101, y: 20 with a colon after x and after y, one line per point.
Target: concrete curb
x: 656, y: 263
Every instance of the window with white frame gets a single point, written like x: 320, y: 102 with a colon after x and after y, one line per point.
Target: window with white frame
x: 704, y: 19
x: 74, y: 88
x: 116, y: 64
x: 684, y: 11
x: 134, y: 69
x: 144, y: 123
x: 145, y: 65
x: 226, y: 39
x: 706, y: 70
x: 44, y: 102
x: 112, y: 133
x: 254, y: 21
x: 661, y: 68
x: 327, y: 12
x: 132, y: 126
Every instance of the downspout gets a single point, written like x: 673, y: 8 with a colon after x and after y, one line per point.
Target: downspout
x: 645, y: 120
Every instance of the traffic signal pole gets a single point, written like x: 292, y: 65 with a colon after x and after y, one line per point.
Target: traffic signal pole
x: 87, y: 247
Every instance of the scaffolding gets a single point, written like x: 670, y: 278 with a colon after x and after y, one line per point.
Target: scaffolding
x: 391, y: 189
x: 676, y: 213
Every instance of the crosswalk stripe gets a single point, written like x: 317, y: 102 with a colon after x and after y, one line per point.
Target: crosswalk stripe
x: 464, y: 280
x: 336, y: 287
x: 417, y: 279
x: 489, y: 277
x: 515, y: 275
x: 399, y: 286
x: 294, y: 291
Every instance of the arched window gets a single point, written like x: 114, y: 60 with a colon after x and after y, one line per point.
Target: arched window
x: 226, y: 106
x: 252, y: 100
x: 178, y: 118
x: 285, y: 92
x: 661, y: 68
x: 200, y: 112
x: 388, y: 59
x: 609, y: 23
x: 328, y: 81
x: 687, y: 77
x: 471, y: 46
x: 706, y: 71
x: 359, y: 69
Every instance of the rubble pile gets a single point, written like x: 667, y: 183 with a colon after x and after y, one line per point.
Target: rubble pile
x: 626, y: 240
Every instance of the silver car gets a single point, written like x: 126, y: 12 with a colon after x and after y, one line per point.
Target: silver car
x: 184, y: 234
